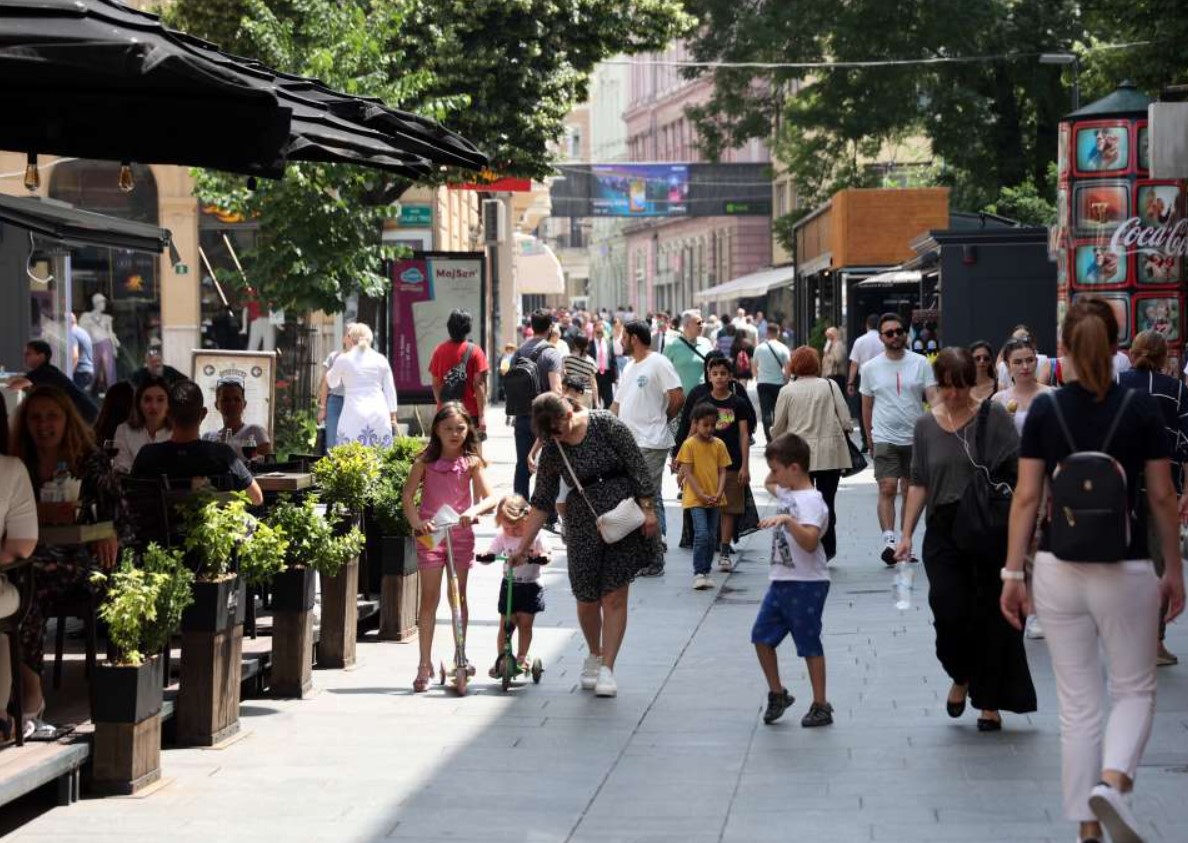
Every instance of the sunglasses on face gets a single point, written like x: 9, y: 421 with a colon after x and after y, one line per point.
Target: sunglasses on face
x: 981, y: 358
x: 894, y: 332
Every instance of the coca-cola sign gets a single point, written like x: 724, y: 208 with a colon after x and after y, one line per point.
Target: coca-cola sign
x: 1132, y: 235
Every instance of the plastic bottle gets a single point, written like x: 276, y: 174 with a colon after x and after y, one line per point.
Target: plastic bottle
x: 904, y: 577
x: 61, y: 477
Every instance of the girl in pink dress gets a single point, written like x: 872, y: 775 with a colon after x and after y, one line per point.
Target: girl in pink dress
x: 448, y: 472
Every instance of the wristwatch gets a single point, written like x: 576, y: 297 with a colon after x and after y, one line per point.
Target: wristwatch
x: 1007, y: 574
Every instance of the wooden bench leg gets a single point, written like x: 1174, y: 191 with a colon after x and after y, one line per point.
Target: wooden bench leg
x: 59, y: 646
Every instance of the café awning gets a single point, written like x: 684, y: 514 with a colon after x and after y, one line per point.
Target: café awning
x: 537, y: 269
x: 63, y: 222
x: 748, y: 286
x: 97, y: 79
x: 898, y: 277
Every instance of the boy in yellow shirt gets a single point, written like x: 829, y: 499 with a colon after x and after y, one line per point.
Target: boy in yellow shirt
x: 703, y: 460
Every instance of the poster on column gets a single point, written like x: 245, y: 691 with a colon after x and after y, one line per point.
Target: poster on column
x: 425, y: 289
x: 254, y: 370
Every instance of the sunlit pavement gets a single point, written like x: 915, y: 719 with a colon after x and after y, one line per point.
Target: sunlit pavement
x: 681, y: 754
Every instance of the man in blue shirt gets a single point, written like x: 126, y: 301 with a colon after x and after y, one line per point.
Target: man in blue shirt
x: 81, y: 355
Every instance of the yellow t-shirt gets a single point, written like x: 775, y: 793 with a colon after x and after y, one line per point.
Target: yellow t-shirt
x: 705, y: 458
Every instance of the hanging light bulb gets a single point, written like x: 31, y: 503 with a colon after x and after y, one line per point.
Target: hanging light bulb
x: 127, y: 180
x: 32, y: 174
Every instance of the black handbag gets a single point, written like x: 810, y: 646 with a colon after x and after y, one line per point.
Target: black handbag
x: 984, y: 511
x: 857, y: 461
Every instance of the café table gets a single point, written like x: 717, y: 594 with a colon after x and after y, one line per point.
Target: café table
x: 284, y: 481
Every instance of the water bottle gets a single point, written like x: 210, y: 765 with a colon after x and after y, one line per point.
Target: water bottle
x: 904, y: 575
x: 61, y: 477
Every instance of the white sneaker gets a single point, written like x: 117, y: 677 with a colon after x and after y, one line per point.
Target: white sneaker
x: 1111, y: 810
x: 709, y: 583
x: 700, y: 582
x: 1033, y: 628
x: 605, y: 686
x: 590, y: 668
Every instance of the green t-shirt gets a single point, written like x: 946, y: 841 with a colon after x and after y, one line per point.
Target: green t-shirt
x: 689, y: 363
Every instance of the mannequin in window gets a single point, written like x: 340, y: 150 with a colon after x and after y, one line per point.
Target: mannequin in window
x: 257, y: 324
x: 104, y: 343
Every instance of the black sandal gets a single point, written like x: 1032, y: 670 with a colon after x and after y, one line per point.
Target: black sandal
x: 989, y: 724
x: 956, y: 709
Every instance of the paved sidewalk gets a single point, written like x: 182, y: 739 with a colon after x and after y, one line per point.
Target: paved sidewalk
x: 681, y: 754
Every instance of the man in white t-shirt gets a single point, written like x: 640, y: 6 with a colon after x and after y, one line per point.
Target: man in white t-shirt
x: 894, y: 386
x: 866, y: 347
x: 771, y: 357
x: 649, y: 397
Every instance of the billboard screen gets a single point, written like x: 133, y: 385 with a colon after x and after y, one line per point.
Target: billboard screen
x: 639, y: 190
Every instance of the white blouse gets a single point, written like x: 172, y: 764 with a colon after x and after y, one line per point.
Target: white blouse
x: 130, y: 440
x: 18, y: 506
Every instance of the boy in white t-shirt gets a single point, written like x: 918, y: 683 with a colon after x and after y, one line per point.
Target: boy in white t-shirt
x: 795, y: 599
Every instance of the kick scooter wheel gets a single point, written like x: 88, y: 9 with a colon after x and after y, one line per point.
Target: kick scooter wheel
x: 537, y: 670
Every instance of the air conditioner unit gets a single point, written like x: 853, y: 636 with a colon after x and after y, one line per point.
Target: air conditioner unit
x: 494, y: 222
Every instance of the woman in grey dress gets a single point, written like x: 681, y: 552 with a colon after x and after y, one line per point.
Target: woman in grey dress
x: 610, y: 468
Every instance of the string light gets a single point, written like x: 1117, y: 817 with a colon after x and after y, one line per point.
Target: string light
x: 127, y: 181
x: 32, y: 174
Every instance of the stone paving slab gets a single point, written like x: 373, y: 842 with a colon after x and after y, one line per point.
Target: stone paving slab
x: 680, y: 755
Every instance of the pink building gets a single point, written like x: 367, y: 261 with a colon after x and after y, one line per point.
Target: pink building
x: 669, y: 260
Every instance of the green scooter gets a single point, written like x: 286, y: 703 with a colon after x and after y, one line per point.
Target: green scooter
x: 507, y: 667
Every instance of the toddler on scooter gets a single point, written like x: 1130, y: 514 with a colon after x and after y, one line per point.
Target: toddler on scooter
x: 511, y: 517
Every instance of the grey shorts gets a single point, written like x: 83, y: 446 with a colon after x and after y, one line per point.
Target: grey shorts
x: 892, y: 460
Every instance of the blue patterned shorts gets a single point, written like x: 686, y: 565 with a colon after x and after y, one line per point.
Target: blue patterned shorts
x: 792, y: 608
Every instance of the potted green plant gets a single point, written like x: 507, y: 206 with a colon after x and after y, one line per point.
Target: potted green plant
x: 142, y: 607
x: 390, y: 541
x: 346, y: 479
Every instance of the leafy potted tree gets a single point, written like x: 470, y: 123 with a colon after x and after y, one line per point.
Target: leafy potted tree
x: 346, y: 478
x: 390, y: 542
x: 142, y: 608
x: 212, y: 626
x: 312, y: 548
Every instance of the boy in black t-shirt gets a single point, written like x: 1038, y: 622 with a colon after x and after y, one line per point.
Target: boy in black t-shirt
x: 186, y: 455
x: 736, y: 420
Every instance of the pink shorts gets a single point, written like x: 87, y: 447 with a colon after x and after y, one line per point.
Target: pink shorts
x: 463, y: 542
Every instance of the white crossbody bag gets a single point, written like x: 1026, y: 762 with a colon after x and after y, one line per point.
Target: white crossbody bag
x: 615, y: 524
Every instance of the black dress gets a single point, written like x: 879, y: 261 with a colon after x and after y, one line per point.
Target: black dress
x: 611, y: 469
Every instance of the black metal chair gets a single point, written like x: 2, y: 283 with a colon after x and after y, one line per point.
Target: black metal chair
x: 150, y: 511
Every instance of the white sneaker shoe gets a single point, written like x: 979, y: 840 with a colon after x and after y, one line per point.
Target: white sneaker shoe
x: 1033, y: 628
x: 709, y: 583
x: 1111, y: 810
x: 700, y: 583
x: 605, y: 686
x: 590, y: 668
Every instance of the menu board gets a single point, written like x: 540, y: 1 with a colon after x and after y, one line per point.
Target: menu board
x: 254, y: 370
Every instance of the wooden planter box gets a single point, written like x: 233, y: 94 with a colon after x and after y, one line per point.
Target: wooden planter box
x: 211, y: 663
x: 340, y: 617
x: 127, y: 713
x: 400, y: 589
x: 292, y: 632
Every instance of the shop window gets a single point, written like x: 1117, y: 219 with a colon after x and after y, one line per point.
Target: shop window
x: 127, y: 319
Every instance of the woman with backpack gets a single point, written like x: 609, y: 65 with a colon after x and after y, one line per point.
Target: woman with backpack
x: 1094, y: 443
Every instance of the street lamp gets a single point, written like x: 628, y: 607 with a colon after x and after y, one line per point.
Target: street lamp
x: 1067, y: 59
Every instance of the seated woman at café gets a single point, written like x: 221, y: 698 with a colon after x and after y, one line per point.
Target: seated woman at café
x: 230, y: 401
x: 187, y: 456
x: 147, y: 422
x: 57, y: 447
x: 117, y: 407
x: 18, y: 526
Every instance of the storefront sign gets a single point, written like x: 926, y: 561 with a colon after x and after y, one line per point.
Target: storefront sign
x: 425, y: 289
x: 416, y: 216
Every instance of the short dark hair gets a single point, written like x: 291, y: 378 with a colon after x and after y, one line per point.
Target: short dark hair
x: 703, y: 410
x: 788, y: 449
x: 640, y: 330
x: 773, y: 328
x: 579, y: 343
x: 954, y: 366
x: 185, y: 403
x: 541, y: 321
x: 872, y: 321
x: 891, y: 317
x: 458, y: 325
x: 577, y: 383
x: 41, y: 347
x: 717, y: 360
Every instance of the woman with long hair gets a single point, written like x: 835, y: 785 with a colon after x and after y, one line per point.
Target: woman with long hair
x: 369, y: 398
x: 1087, y: 607
x: 147, y: 422
x: 814, y: 408
x: 600, y: 450
x: 982, y: 655
x: 117, y: 406
x: 1148, y: 356
x: 987, y: 381
x: 50, y: 437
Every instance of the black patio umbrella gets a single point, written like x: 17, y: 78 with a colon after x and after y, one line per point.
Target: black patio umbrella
x: 96, y: 79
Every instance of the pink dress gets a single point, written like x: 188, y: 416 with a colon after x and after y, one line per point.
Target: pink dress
x: 447, y: 482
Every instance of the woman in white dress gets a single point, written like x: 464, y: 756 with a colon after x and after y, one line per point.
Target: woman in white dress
x: 369, y: 400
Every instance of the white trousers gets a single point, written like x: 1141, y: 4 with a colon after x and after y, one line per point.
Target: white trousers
x: 1088, y: 610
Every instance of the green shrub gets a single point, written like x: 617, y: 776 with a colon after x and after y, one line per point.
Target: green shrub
x: 214, y: 528
x: 387, y: 504
x: 347, y: 476
x: 143, y: 604
x: 312, y: 541
x: 262, y: 554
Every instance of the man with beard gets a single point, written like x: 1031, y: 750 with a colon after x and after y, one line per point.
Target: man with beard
x: 894, y: 386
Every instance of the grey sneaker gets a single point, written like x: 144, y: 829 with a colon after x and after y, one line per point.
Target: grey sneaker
x: 655, y: 570
x: 819, y: 714
x: 590, y: 668
x: 777, y: 704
